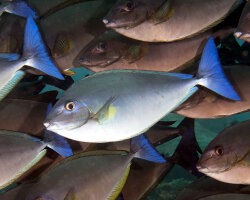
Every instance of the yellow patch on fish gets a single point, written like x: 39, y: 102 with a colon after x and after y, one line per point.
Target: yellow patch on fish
x: 69, y: 72
x: 111, y: 112
x: 63, y: 45
x: 136, y: 52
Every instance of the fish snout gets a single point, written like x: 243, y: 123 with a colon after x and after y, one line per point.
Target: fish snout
x: 46, y: 124
x: 109, y: 24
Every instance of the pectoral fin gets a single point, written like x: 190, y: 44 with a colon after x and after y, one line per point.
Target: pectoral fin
x: 70, y: 195
x: 136, y: 52
x: 164, y: 13
x: 63, y: 45
x: 106, y: 112
x: 69, y: 72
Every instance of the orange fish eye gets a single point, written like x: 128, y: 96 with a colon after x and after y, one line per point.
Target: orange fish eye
x: 70, y: 106
x: 219, y: 151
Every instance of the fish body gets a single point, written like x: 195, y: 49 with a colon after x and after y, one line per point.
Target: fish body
x: 205, y: 104
x: 227, y: 157
x: 100, y: 107
x: 189, y: 18
x: 92, y: 175
x: 19, y: 152
x: 111, y: 51
x: 243, y: 28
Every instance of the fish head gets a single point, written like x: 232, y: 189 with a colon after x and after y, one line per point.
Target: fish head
x: 127, y: 14
x: 67, y: 114
x: 100, y: 52
x: 221, y: 155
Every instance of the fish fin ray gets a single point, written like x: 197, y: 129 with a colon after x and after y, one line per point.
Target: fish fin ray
x: 35, y: 53
x: 118, y: 188
x: 141, y: 148
x: 211, y: 75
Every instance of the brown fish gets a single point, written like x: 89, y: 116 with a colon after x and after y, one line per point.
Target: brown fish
x: 181, y: 19
x: 208, y: 105
x: 113, y: 51
x: 243, y: 29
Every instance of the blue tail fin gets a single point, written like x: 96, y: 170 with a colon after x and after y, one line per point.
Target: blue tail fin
x: 211, y: 74
x: 34, y: 51
x: 58, y: 143
x: 141, y: 148
x: 20, y: 8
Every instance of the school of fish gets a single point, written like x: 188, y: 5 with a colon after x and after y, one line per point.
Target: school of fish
x: 66, y: 136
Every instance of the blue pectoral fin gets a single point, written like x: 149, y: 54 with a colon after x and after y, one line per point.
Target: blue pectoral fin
x: 34, y: 49
x: 211, y: 75
x: 141, y: 148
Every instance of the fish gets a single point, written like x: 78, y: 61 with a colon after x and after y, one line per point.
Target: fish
x: 111, y: 51
x: 99, y: 108
x: 205, y: 104
x: 17, y: 7
x: 19, y: 152
x: 67, y: 31
x: 207, y: 187
x: 34, y: 55
x: 227, y: 158
x: 184, y: 19
x: 82, y: 175
x: 243, y: 28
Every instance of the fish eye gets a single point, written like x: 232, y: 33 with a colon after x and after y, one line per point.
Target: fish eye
x: 129, y: 5
x: 70, y: 106
x: 219, y: 151
x: 102, y: 45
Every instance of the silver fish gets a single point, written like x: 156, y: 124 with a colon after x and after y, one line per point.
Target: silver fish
x: 118, y: 105
x: 227, y: 157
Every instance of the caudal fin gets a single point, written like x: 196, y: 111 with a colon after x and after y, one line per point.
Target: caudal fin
x: 141, y: 148
x: 211, y: 75
x: 20, y: 8
x: 34, y: 51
